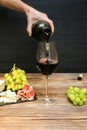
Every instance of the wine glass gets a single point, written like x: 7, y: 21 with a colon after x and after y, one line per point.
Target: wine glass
x: 47, y: 62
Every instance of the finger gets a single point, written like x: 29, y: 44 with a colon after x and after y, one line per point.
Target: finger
x: 28, y: 29
x: 52, y: 26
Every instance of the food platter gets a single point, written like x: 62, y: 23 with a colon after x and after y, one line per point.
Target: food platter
x: 15, y: 87
x: 7, y: 97
x: 18, y: 101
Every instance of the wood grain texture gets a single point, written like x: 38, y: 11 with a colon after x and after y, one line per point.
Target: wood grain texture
x: 32, y: 116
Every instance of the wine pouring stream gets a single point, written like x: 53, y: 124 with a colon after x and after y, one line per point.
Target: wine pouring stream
x: 46, y: 58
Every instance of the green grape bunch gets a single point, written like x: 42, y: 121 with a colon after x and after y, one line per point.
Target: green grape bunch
x: 77, y: 96
x: 15, y: 79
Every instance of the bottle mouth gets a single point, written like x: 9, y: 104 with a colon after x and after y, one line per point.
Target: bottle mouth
x: 47, y: 31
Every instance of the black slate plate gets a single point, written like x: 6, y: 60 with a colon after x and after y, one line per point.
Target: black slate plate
x: 18, y: 101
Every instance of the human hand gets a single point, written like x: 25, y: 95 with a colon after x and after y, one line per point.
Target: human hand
x: 33, y: 16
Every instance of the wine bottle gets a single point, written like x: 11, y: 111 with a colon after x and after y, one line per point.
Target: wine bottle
x: 41, y: 31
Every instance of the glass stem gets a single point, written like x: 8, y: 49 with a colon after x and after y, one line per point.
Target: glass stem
x: 47, y: 86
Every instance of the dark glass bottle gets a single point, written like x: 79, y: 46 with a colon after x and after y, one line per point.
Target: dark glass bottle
x: 41, y: 31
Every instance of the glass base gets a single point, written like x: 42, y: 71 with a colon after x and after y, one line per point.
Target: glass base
x: 47, y: 102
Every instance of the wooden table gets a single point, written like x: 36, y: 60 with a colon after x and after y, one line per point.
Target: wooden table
x: 32, y: 116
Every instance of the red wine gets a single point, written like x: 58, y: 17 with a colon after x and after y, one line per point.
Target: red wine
x: 47, y: 66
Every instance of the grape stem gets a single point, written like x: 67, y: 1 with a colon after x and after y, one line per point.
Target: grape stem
x: 14, y: 67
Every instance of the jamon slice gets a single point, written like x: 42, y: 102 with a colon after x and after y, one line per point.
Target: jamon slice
x: 27, y: 93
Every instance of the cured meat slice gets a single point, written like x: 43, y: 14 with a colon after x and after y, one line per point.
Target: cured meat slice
x: 27, y: 93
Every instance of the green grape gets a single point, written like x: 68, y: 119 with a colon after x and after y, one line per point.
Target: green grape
x: 81, y: 95
x: 19, y: 86
x: 81, y: 103
x: 14, y: 72
x: 13, y: 77
x: 23, y: 77
x: 84, y: 99
x: 75, y: 103
x: 16, y: 87
x: 72, y: 97
x: 13, y: 89
x: 77, y: 96
x: 6, y: 83
x: 8, y: 87
x: 23, y: 72
x: 73, y: 92
x: 71, y: 88
x: 68, y: 91
x: 84, y: 90
x: 76, y: 89
x: 6, y: 75
x: 8, y: 78
x: 16, y: 79
x: 77, y: 99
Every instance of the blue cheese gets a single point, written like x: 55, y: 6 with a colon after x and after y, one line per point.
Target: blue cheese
x: 8, y: 97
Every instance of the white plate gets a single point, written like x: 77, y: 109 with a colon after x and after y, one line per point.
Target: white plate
x: 2, y: 85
